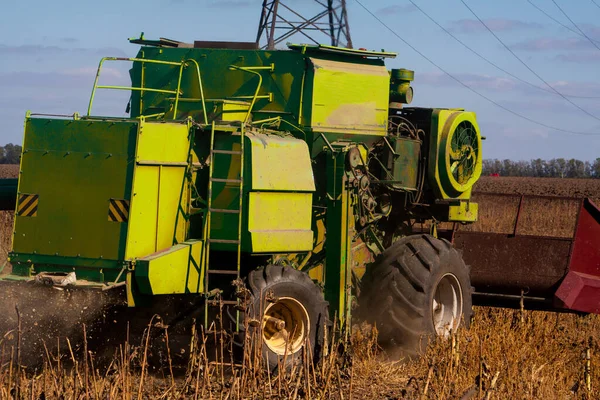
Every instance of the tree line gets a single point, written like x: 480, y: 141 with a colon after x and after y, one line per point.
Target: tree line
x: 555, y: 168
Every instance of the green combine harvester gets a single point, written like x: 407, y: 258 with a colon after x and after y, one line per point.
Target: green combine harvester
x: 287, y: 187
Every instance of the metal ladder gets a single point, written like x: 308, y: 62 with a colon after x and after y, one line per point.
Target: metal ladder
x: 237, y: 241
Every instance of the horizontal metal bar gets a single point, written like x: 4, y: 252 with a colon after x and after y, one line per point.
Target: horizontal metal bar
x: 510, y: 296
x: 52, y: 115
x: 224, y: 211
x: 262, y: 96
x: 143, y: 60
x: 226, y: 180
x: 226, y: 151
x: 224, y: 302
x: 162, y: 163
x: 225, y: 241
x: 140, y: 89
x: 222, y: 271
x: 259, y: 68
x: 186, y: 99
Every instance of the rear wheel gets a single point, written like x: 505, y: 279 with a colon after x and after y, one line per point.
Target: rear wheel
x: 286, y: 315
x: 419, y: 288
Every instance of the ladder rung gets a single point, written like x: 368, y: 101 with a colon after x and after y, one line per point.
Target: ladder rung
x: 224, y: 211
x: 226, y: 241
x: 226, y: 180
x: 226, y: 152
x: 222, y: 271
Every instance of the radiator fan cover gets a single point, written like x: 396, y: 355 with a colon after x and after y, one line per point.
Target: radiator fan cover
x: 455, y: 160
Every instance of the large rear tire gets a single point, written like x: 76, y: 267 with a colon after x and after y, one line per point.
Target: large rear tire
x: 286, y: 312
x: 418, y: 289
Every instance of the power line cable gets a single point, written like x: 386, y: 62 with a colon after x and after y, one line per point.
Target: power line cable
x: 596, y: 4
x: 575, y: 25
x: 557, y: 21
x: 525, y: 64
x: 466, y: 86
x: 491, y: 62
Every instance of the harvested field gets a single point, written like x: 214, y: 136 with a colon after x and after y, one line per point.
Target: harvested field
x: 513, y: 355
x: 506, y: 354
x: 541, y: 186
x: 9, y: 171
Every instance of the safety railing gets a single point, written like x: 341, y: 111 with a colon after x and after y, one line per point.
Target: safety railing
x: 177, y: 92
x: 256, y: 96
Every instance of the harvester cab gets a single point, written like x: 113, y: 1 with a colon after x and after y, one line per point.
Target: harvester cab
x: 299, y: 175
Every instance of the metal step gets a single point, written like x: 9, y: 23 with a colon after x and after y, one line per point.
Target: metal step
x: 226, y: 180
x: 223, y: 271
x: 225, y: 241
x: 226, y: 152
x: 224, y: 211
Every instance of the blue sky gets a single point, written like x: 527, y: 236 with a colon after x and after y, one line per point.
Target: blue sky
x: 49, y: 52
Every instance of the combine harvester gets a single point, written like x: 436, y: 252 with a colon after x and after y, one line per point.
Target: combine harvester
x: 284, y: 189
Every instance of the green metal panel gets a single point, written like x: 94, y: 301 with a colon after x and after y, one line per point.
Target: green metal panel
x: 406, y: 162
x: 340, y: 230
x: 75, y: 167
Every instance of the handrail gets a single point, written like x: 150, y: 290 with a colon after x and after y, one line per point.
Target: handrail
x: 253, y: 70
x: 176, y: 92
x: 201, y: 89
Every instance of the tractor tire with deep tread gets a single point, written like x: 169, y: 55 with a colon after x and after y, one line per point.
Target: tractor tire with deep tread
x: 411, y: 289
x: 285, y: 294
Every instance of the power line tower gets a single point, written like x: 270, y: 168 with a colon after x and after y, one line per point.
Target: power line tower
x: 279, y: 21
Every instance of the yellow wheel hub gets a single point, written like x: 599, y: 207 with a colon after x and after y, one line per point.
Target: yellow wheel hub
x: 285, y: 326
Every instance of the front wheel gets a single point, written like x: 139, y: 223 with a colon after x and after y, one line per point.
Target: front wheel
x: 419, y: 288
x: 286, y: 314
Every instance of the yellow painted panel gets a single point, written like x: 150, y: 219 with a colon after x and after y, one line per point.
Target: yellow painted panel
x: 350, y: 98
x: 281, y: 241
x: 157, y: 189
x: 466, y: 211
x: 175, y: 271
x: 280, y: 163
x: 165, y: 142
x: 280, y: 222
x: 141, y: 237
x: 228, y: 110
x: 171, y: 181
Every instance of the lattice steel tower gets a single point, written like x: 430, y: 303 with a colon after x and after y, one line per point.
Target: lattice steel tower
x: 279, y: 21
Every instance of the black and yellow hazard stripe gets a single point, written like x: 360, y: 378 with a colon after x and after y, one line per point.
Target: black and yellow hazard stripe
x: 28, y: 205
x: 118, y: 210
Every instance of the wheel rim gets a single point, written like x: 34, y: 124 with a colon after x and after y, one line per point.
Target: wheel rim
x: 447, y: 305
x: 285, y: 326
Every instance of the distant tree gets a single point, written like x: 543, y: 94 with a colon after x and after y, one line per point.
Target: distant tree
x: 10, y: 154
x: 596, y: 168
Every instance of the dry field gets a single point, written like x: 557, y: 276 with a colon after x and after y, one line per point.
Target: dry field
x: 506, y: 354
x: 541, y: 186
